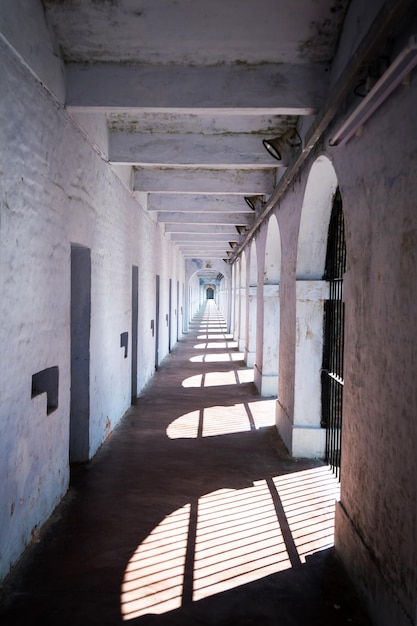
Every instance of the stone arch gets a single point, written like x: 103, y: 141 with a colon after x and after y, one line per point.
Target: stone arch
x: 315, y: 216
x: 272, y: 253
x: 308, y: 437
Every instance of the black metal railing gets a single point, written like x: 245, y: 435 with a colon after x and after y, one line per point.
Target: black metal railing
x: 334, y: 313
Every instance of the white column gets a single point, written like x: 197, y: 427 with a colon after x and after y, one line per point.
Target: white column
x: 250, y: 347
x: 308, y: 438
x: 266, y: 372
x: 242, y: 321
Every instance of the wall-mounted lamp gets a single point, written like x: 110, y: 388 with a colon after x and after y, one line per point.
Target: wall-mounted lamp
x: 396, y: 73
x: 255, y: 202
x: 277, y: 146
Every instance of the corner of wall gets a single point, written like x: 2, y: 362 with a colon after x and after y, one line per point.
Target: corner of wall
x: 383, y: 607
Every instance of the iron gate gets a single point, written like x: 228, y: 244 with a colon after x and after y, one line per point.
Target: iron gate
x: 334, y: 312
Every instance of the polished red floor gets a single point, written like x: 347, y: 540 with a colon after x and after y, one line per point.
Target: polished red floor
x: 192, y: 513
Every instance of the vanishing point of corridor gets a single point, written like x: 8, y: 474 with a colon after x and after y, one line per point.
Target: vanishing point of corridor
x: 192, y: 513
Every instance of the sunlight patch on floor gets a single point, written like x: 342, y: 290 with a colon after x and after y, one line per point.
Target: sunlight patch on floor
x: 153, y: 579
x: 209, y: 345
x: 222, y: 420
x: 214, y: 379
x: 212, y: 336
x: 217, y: 358
x: 308, y: 499
x: 263, y: 412
x: 186, y: 426
x: 239, y: 540
x: 234, y: 537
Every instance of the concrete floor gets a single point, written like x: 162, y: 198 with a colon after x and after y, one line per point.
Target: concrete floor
x: 192, y: 513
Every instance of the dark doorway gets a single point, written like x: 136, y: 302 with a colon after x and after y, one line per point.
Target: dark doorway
x: 80, y: 353
x: 210, y: 293
x: 169, y: 314
x: 157, y: 296
x: 135, y: 310
x: 334, y: 315
x: 178, y: 308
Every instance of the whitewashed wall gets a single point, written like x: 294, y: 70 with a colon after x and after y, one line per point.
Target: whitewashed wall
x: 57, y: 190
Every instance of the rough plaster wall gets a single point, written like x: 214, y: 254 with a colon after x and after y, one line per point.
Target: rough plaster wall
x: 34, y: 42
x: 358, y: 19
x: 56, y: 190
x: 378, y: 175
x: 35, y: 282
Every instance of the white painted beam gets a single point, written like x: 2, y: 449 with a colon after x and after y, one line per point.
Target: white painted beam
x: 286, y: 89
x: 208, y: 255
x: 225, y: 229
x: 206, y: 218
x: 189, y: 149
x: 201, y: 245
x: 198, y: 203
x: 205, y: 180
x: 212, y: 237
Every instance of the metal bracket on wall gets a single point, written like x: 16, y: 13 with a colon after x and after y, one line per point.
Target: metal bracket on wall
x: 124, y: 340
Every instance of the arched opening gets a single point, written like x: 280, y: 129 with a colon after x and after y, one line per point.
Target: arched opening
x: 308, y: 436
x: 334, y: 315
x: 209, y: 293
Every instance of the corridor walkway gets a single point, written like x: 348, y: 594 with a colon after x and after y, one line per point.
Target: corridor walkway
x: 192, y: 513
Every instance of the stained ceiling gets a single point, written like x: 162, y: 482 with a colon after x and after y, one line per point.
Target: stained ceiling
x: 189, y: 91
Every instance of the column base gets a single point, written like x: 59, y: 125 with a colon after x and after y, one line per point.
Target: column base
x: 307, y: 442
x: 250, y: 358
x: 266, y: 385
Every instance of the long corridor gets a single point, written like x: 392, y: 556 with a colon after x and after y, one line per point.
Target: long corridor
x: 192, y: 513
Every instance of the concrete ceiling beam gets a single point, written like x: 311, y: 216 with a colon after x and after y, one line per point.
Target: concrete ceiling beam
x: 206, y: 122
x: 198, y: 203
x: 189, y: 149
x: 213, y: 237
x: 204, y: 253
x: 205, y: 180
x: 241, y: 219
x: 225, y: 229
x: 282, y: 89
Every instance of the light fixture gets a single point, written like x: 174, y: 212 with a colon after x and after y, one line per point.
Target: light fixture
x: 277, y: 146
x: 396, y: 73
x: 255, y: 202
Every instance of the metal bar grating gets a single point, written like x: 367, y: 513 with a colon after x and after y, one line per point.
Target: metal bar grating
x: 334, y: 312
